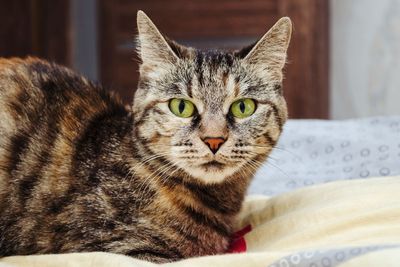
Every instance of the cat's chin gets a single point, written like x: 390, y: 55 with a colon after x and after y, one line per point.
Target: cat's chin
x: 211, y: 172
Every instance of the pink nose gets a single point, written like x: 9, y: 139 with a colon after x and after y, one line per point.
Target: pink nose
x: 214, y: 143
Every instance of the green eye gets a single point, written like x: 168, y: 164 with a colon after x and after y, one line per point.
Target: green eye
x: 181, y: 107
x: 243, y: 108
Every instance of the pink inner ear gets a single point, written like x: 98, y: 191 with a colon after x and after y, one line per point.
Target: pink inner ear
x: 238, y: 244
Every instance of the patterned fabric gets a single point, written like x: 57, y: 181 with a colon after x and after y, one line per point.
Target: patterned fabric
x: 316, y: 151
x: 325, y: 258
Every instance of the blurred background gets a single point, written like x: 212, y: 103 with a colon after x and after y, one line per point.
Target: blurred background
x: 344, y: 58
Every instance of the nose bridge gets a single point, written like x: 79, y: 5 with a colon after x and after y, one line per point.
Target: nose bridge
x: 213, y: 125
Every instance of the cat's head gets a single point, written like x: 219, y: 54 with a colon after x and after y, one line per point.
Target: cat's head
x: 210, y: 113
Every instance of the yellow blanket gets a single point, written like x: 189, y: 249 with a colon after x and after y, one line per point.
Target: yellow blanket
x: 343, y: 223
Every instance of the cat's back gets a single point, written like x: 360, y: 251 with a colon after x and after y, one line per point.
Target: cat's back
x: 51, y: 122
x: 44, y: 110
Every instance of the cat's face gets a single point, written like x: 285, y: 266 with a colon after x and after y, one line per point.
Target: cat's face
x: 211, y: 114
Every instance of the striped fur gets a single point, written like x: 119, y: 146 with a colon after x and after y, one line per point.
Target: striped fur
x: 80, y: 172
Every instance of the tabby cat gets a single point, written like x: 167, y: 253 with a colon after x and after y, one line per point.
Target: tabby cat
x: 161, y: 182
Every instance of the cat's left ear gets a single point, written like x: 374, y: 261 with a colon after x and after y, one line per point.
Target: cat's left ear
x: 153, y: 48
x: 270, y: 51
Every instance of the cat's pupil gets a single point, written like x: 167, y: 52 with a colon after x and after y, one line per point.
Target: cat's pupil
x: 181, y: 106
x: 242, y: 106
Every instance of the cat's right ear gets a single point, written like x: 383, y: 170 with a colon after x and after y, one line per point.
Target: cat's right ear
x: 153, y: 49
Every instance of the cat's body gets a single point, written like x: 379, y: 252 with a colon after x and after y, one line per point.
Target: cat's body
x: 80, y: 172
x: 66, y: 176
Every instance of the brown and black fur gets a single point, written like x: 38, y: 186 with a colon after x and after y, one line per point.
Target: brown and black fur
x: 79, y: 172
